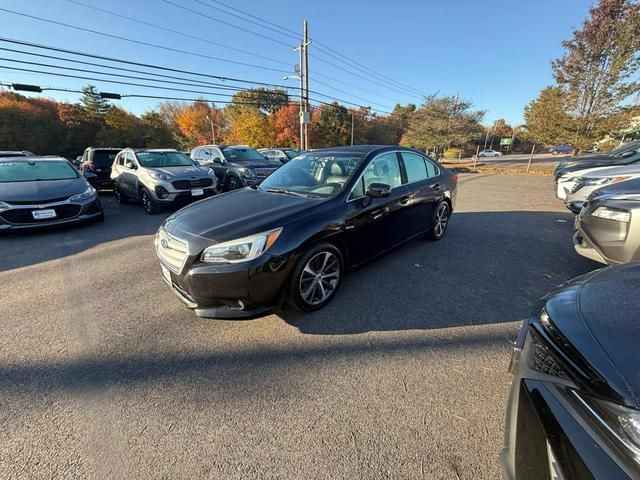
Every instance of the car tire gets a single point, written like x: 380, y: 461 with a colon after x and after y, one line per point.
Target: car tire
x: 148, y: 203
x: 232, y: 183
x: 119, y: 196
x: 440, y: 221
x: 310, y: 289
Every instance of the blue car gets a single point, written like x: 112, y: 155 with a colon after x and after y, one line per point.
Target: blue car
x: 561, y: 149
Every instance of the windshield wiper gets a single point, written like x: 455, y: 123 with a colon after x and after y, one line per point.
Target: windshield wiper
x: 286, y: 192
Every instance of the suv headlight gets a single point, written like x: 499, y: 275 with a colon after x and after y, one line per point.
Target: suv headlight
x: 88, y: 193
x: 623, y: 422
x: 242, y: 249
x: 158, y: 176
x: 246, y: 172
x: 612, y: 214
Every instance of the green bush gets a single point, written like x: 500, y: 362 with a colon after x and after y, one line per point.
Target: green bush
x: 452, y: 153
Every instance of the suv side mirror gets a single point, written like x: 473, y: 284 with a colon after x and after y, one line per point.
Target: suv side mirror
x: 130, y: 165
x: 217, y: 160
x: 378, y: 190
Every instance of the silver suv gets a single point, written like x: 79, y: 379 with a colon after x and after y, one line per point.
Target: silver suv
x: 160, y: 178
x: 236, y: 166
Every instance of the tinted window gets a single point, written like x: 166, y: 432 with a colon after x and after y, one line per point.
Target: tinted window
x: 432, y: 169
x: 384, y: 169
x: 239, y: 154
x: 4, y: 155
x: 415, y: 166
x: 163, y: 159
x: 104, y: 158
x: 28, y: 171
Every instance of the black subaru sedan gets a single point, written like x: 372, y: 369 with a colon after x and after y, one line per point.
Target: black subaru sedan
x: 44, y: 191
x: 574, y: 406
x: 243, y: 253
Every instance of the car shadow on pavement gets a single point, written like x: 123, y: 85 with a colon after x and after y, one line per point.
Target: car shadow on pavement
x: 28, y: 247
x: 489, y: 268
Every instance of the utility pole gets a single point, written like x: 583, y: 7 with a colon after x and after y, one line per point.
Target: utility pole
x: 301, y: 99
x: 352, y: 117
x: 213, y: 132
x: 305, y: 76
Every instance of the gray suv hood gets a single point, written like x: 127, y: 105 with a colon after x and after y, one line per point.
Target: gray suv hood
x: 190, y: 172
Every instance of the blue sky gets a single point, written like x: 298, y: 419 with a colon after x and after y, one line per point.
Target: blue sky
x: 495, y: 53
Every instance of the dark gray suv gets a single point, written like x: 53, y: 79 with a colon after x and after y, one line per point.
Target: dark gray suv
x: 160, y: 178
x: 236, y: 166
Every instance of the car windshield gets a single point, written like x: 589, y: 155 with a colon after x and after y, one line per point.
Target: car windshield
x: 240, y: 154
x: 36, y: 170
x: 313, y: 174
x: 104, y: 158
x: 624, y: 148
x: 163, y: 159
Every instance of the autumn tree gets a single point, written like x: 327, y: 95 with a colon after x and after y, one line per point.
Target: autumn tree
x: 285, y: 125
x: 547, y: 121
x: 121, y: 129
x: 194, y: 122
x: 442, y: 122
x: 249, y: 127
x: 267, y: 100
x: 598, y: 70
x: 157, y: 132
x: 331, y: 126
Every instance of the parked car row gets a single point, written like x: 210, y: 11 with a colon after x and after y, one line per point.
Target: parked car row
x: 604, y: 191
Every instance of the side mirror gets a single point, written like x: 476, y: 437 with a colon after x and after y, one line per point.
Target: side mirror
x: 378, y: 190
x: 89, y: 175
x: 216, y: 160
x: 130, y: 165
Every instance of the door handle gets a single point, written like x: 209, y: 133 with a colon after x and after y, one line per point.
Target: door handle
x: 437, y: 187
x: 404, y: 201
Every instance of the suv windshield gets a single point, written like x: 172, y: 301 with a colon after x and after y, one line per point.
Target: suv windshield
x: 313, y: 174
x: 163, y: 159
x: 34, y: 170
x: 240, y: 154
x: 104, y: 158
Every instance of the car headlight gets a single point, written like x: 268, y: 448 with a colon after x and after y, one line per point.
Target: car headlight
x: 88, y: 193
x: 246, y: 172
x: 589, y: 182
x: 242, y: 249
x: 612, y: 214
x: 158, y: 176
x: 623, y: 422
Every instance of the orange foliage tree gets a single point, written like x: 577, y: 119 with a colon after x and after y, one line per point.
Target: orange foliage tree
x: 193, y: 122
x: 285, y: 124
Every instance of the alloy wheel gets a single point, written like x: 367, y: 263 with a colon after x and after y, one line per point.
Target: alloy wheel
x: 441, y: 220
x: 146, y: 202
x: 233, y: 184
x: 320, y: 278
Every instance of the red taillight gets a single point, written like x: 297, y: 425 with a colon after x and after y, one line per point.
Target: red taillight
x: 454, y: 178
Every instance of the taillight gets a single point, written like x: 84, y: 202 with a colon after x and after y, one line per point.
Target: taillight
x: 454, y: 178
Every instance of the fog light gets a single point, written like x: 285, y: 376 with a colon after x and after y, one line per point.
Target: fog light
x: 162, y: 192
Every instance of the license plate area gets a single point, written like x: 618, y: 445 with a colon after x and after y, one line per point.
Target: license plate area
x: 44, y: 214
x: 197, y: 192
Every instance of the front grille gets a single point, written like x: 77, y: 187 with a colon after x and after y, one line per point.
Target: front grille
x: 172, y: 251
x: 38, y: 202
x: 24, y: 215
x: 576, y: 186
x: 544, y: 362
x: 187, y: 184
x: 263, y: 172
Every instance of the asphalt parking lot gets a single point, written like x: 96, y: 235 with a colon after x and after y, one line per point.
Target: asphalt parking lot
x: 104, y: 373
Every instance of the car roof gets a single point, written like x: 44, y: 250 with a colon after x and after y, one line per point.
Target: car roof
x: 139, y: 150
x: 363, y: 149
x: 41, y: 158
x: 615, y: 170
x: 104, y: 148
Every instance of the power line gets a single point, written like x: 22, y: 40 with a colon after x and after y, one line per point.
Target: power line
x: 278, y: 29
x: 139, y: 64
x: 226, y: 23
x: 140, y: 42
x: 177, y: 32
x: 111, y: 59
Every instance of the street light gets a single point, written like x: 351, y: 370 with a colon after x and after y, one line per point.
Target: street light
x: 213, y: 132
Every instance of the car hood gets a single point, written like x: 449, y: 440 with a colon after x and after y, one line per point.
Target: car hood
x: 581, y: 163
x: 237, y: 214
x: 41, y: 191
x: 254, y: 164
x: 614, y: 171
x: 620, y: 188
x: 598, y: 314
x: 186, y: 172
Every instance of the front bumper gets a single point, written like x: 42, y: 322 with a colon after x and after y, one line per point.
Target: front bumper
x: 549, y: 434
x: 181, y: 196
x: 230, y: 291
x: 18, y: 217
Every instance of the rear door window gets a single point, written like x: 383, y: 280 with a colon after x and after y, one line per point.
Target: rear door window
x: 415, y: 166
